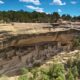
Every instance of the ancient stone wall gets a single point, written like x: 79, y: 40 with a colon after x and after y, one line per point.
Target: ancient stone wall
x: 18, y: 48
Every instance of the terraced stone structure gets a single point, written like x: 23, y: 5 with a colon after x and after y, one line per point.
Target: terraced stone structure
x: 30, y: 44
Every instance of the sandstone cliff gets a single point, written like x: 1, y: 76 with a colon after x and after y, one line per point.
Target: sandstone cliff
x: 27, y: 44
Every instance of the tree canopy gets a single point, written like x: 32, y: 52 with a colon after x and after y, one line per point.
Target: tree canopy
x: 24, y: 16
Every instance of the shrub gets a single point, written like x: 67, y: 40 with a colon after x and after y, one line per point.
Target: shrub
x: 75, y: 72
x: 24, y: 70
x: 57, y: 70
x: 23, y: 77
x: 69, y: 75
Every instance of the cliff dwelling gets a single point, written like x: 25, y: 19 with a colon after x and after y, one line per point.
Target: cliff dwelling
x: 28, y: 44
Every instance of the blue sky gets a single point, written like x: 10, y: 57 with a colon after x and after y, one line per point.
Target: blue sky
x: 71, y: 7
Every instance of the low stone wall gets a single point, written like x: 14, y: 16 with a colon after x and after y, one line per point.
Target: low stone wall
x: 30, y: 55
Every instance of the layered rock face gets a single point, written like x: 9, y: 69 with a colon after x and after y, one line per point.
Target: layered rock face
x: 30, y: 44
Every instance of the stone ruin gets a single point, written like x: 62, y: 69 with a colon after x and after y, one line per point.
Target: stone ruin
x: 30, y: 44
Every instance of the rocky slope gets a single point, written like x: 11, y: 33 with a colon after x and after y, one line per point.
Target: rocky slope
x: 29, y: 44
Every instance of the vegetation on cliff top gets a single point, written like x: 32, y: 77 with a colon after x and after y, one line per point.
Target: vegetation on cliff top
x: 23, y: 16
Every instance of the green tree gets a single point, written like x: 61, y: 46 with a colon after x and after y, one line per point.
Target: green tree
x: 55, y: 17
x: 66, y: 17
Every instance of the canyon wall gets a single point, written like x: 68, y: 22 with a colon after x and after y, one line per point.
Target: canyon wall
x: 30, y: 44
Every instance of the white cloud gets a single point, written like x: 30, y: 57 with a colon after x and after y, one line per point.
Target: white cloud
x: 38, y: 9
x: 1, y: 2
x: 47, y: 12
x: 58, y: 2
x: 36, y: 2
x: 73, y: 2
x: 59, y: 10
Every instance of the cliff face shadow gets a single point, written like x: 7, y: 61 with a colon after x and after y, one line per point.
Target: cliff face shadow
x: 30, y: 56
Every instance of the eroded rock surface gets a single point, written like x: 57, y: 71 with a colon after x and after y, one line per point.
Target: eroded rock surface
x: 30, y: 44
